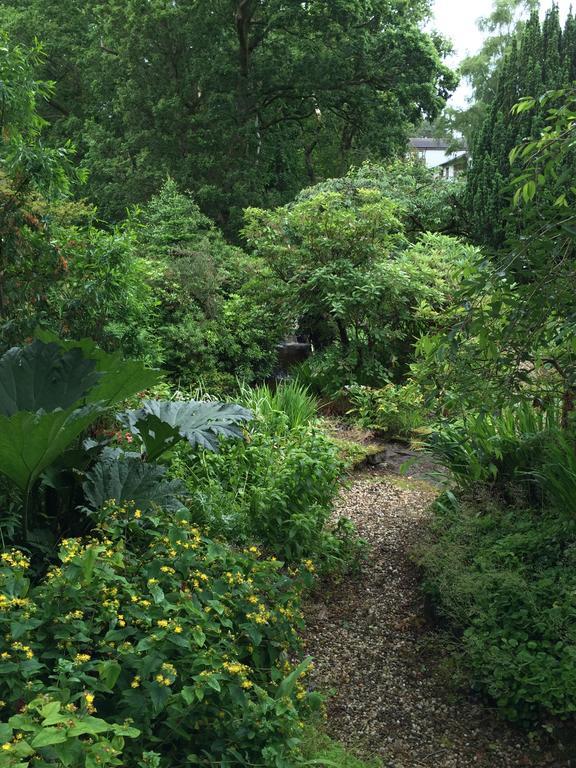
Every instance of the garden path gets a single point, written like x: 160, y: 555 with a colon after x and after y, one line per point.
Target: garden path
x: 396, y: 692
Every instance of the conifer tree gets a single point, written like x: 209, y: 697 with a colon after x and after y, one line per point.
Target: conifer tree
x: 542, y: 58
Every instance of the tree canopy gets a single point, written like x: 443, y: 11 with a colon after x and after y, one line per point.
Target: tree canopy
x: 241, y: 101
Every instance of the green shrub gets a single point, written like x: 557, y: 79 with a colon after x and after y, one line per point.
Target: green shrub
x: 397, y: 410
x: 46, y: 729
x: 276, y: 488
x: 558, y: 474
x: 217, y: 317
x: 326, y: 753
x: 352, y: 281
x: 506, y: 580
x: 148, y: 623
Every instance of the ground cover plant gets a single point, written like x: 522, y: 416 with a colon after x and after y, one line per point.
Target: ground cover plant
x: 148, y: 630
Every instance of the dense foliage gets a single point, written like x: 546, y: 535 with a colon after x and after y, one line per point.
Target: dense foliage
x: 148, y: 623
x: 354, y: 283
x: 541, y: 58
x: 242, y: 102
x: 157, y: 536
x: 500, y: 568
x: 216, y: 310
x: 276, y: 488
x: 127, y: 620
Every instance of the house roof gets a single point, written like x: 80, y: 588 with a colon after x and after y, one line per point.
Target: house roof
x: 423, y: 143
x: 454, y: 157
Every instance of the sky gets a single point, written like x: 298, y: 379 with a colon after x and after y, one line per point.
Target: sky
x: 456, y: 19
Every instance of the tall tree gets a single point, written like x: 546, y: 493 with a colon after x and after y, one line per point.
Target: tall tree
x: 241, y: 101
x: 538, y: 60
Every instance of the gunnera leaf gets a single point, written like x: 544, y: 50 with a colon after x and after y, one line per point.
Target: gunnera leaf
x: 160, y: 424
x: 119, y: 378
x: 44, y: 377
x: 50, y: 393
x: 127, y: 478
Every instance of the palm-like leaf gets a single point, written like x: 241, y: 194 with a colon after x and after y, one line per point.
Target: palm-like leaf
x: 160, y: 424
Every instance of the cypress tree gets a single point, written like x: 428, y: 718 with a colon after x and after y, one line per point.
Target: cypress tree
x: 543, y: 57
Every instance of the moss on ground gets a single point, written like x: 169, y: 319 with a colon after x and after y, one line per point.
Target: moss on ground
x: 323, y: 752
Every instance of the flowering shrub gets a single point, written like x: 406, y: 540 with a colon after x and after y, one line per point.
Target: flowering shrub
x: 45, y: 727
x: 148, y: 630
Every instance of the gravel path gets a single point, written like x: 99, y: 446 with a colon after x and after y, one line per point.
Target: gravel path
x: 372, y: 649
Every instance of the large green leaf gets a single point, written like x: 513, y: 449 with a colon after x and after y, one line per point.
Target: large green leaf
x: 127, y: 478
x: 44, y: 377
x: 30, y: 442
x: 119, y: 378
x: 162, y: 423
x: 50, y: 392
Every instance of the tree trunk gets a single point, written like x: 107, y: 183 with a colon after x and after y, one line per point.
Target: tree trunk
x: 568, y: 405
x: 244, y: 13
x: 343, y: 333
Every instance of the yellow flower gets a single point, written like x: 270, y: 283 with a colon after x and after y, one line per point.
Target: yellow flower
x: 177, y: 629
x: 136, y: 682
x: 162, y: 623
x: 82, y: 657
x: 89, y: 699
x: 137, y: 514
x: 6, y: 746
x: 247, y: 684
